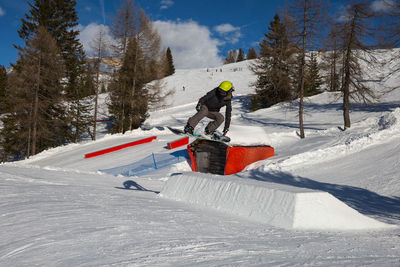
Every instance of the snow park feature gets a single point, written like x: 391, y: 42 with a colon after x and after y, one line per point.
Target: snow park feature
x: 119, y: 147
x: 177, y: 143
x: 57, y: 209
x: 219, y: 158
x: 278, y: 205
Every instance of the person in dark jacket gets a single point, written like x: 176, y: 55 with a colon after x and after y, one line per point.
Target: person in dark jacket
x: 209, y: 106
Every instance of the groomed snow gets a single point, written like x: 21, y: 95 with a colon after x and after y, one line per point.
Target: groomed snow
x: 57, y: 209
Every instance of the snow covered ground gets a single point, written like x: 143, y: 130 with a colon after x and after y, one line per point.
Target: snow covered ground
x: 57, y: 209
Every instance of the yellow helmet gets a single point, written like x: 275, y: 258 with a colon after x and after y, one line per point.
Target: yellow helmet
x: 226, y: 86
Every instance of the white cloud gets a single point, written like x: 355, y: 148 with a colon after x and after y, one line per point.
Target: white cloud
x: 382, y: 5
x: 88, y: 34
x: 225, y: 28
x: 166, y: 4
x: 2, y: 12
x: 229, y: 32
x: 191, y: 44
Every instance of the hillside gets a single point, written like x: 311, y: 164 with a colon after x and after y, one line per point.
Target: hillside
x: 58, y: 209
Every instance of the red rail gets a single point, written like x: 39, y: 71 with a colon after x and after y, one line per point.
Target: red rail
x: 178, y: 143
x: 115, y: 148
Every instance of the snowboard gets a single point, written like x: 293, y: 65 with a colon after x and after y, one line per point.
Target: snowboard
x: 216, y: 137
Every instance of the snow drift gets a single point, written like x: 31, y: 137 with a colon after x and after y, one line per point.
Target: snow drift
x: 278, y: 205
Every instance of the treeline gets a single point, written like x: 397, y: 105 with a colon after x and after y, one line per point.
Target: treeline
x: 238, y: 55
x: 50, y: 97
x: 287, y: 66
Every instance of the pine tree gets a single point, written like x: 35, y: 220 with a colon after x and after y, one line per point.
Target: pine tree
x: 3, y: 90
x: 81, y: 105
x: 36, y: 119
x: 231, y: 58
x: 170, y: 63
x: 313, y: 79
x: 139, y: 47
x: 331, y: 59
x: 100, y: 46
x: 129, y: 103
x: 123, y: 26
x: 60, y: 19
x: 302, y: 19
x: 274, y: 83
x: 240, y: 56
x: 354, y: 31
x: 252, y: 54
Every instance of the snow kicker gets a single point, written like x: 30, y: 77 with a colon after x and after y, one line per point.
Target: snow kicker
x: 275, y: 204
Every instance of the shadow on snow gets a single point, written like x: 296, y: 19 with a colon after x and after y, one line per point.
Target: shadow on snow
x: 129, y: 184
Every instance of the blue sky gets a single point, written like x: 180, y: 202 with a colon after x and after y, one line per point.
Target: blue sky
x: 199, y: 32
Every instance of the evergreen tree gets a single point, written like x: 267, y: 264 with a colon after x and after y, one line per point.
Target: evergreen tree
x: 170, y: 63
x: 231, y: 58
x: 274, y: 82
x: 240, y: 56
x: 60, y: 19
x: 331, y: 59
x: 312, y: 77
x: 355, y: 31
x: 3, y: 90
x: 129, y: 103
x: 100, y: 45
x: 36, y: 120
x: 124, y: 25
x: 303, y: 19
x: 139, y: 46
x: 80, y: 106
x: 252, y: 54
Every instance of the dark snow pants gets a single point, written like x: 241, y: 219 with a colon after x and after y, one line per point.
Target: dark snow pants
x: 217, y: 118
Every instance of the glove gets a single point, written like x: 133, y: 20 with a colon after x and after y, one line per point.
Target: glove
x: 226, y: 130
x: 198, y: 106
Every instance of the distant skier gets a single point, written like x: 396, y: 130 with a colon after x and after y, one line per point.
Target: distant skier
x: 209, y: 106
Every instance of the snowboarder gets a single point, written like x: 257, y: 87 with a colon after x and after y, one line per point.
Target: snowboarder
x: 209, y: 106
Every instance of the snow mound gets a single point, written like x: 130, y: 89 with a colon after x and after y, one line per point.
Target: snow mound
x: 275, y: 204
x: 370, y: 132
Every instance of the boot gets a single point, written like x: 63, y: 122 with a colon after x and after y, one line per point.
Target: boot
x: 207, y: 132
x: 188, y: 129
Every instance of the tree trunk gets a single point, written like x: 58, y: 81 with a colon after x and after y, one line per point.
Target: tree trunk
x: 346, y: 107
x: 96, y: 99
x: 133, y: 85
x: 35, y: 115
x: 346, y: 84
x: 301, y: 93
x: 28, y: 149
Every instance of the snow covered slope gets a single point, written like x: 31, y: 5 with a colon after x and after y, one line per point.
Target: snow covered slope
x: 57, y: 209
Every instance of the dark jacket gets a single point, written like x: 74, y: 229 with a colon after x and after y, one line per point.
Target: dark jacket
x: 214, y: 102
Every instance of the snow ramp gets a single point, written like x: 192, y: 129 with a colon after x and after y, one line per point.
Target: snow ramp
x: 275, y: 204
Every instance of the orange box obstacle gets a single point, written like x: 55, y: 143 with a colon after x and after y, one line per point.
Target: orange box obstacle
x: 218, y: 158
x: 115, y: 148
x: 238, y: 157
